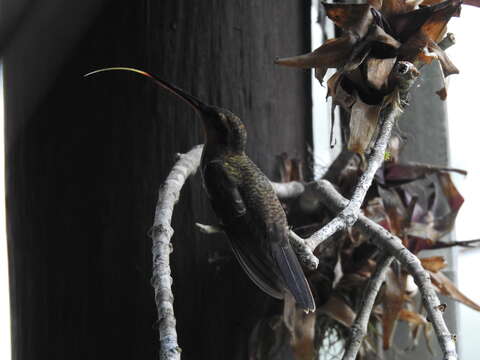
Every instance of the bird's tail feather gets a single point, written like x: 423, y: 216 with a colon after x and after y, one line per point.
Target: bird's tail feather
x: 293, y: 275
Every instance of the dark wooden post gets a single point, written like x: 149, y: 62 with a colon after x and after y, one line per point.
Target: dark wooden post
x: 85, y: 158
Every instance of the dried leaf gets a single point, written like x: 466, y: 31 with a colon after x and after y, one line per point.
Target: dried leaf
x: 413, y: 48
x: 423, y: 27
x: 444, y: 222
x: 455, y: 199
x: 472, y: 2
x: 343, y: 97
x: 394, y: 7
x: 290, y: 169
x: 303, y: 343
x: 396, y: 174
x: 363, y: 123
x: 268, y: 338
x: 448, y: 66
x: 434, y: 263
x: 320, y: 73
x: 442, y: 93
x: 333, y: 83
x: 393, y: 300
x: 337, y: 309
x: 448, y: 288
x: 469, y: 244
x: 350, y: 17
x: 354, y: 83
x: 375, y: 211
x: 359, y: 53
x: 395, y: 209
x: 423, y: 230
x: 378, y: 36
x: 333, y: 53
x: 407, y: 25
x: 435, y: 26
x: 412, y: 317
x: 431, y: 2
x: 378, y: 72
x: 376, y: 44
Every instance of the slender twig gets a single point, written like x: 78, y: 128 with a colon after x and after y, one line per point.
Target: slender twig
x: 359, y: 327
x: 468, y: 244
x: 288, y: 190
x: 304, y: 254
x: 429, y: 168
x: 447, y: 41
x: 162, y: 232
x: 333, y: 200
x: 405, y: 74
x: 393, y: 245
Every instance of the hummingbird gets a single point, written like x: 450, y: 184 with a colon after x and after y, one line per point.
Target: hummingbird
x: 244, y: 201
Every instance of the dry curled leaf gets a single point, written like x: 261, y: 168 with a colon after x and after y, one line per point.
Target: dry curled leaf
x: 446, y: 287
x: 412, y: 317
x: 363, y: 122
x: 395, y: 174
x: 376, y: 36
x: 442, y: 93
x: 434, y: 263
x: 378, y: 72
x: 393, y: 300
x: 350, y: 17
x: 333, y: 53
x: 337, y: 309
x: 303, y: 343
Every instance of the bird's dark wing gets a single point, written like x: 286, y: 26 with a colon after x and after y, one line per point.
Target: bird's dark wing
x: 255, y: 223
x: 290, y: 267
x: 229, y: 206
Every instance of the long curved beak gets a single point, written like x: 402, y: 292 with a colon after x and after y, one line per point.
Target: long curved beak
x: 191, y: 100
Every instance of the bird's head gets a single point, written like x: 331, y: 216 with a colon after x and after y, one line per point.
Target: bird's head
x: 222, y: 127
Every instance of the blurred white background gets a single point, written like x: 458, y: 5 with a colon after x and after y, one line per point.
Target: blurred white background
x: 464, y: 127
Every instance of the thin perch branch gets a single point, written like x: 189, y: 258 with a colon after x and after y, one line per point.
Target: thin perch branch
x: 405, y: 74
x: 162, y: 232
x: 304, y: 254
x: 288, y: 190
x: 393, y: 245
x: 359, y: 327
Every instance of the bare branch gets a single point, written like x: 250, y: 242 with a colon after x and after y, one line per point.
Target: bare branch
x: 304, y: 254
x: 162, y: 232
x: 393, y: 245
x: 338, y: 165
x: 468, y: 244
x: 434, y: 168
x: 405, y: 74
x: 447, y: 41
x: 359, y: 327
x: 288, y: 190
x: 209, y: 229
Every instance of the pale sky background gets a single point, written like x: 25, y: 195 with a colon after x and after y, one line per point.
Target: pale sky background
x: 464, y: 127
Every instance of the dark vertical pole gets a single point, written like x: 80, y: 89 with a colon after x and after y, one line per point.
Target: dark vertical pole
x: 85, y: 158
